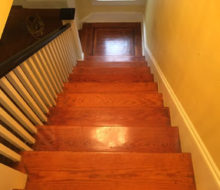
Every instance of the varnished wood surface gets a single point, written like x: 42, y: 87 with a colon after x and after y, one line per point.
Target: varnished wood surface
x: 115, y: 58
x: 111, y: 64
x: 111, y: 39
x: 91, y: 87
x: 100, y: 74
x: 87, y: 100
x: 111, y: 71
x: 108, y: 131
x: 107, y: 139
x: 120, y: 117
x: 108, y: 171
x: 134, y: 77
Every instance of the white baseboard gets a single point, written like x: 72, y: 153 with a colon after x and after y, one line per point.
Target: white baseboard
x: 207, y: 174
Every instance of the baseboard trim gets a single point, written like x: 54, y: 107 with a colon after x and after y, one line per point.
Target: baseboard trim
x: 207, y: 174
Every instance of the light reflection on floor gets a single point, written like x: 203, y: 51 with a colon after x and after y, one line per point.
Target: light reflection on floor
x: 117, y: 47
x: 111, y: 136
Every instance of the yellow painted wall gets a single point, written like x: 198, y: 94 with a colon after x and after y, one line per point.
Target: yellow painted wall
x: 11, y: 179
x: 5, y: 7
x: 85, y: 7
x: 184, y: 37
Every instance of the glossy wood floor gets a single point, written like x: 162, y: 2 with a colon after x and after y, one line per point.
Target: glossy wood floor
x: 111, y: 39
x: 109, y: 131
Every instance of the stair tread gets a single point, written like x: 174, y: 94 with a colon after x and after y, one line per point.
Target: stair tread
x: 107, y: 139
x: 107, y: 171
x: 128, y: 117
x: 86, y: 87
x: 111, y: 64
x: 115, y: 58
x: 110, y: 100
x: 139, y: 74
x: 111, y: 78
x: 110, y: 71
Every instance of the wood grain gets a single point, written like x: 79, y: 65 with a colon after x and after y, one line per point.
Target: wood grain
x: 107, y: 171
x: 107, y: 139
x: 120, y: 117
x: 115, y: 58
x: 110, y: 100
x: 143, y: 77
x: 92, y: 87
x: 109, y: 129
x: 111, y: 70
x: 135, y: 74
x: 111, y: 39
x: 111, y: 64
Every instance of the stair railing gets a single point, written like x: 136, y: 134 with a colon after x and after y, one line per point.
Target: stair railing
x: 29, y: 84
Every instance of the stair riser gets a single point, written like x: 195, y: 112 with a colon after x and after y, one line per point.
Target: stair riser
x: 110, y: 117
x: 109, y: 87
x: 114, y: 58
x: 110, y: 64
x: 111, y: 78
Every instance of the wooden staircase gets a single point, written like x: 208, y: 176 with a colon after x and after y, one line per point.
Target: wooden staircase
x: 109, y: 130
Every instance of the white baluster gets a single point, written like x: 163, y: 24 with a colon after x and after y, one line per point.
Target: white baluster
x: 32, y: 78
x: 12, y: 77
x: 7, y: 135
x: 15, y: 96
x: 15, y: 126
x: 51, y: 71
x: 58, y: 61
x: 13, y: 110
x: 54, y: 64
x: 7, y: 152
x: 37, y: 69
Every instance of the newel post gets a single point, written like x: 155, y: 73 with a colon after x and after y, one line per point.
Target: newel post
x: 67, y: 15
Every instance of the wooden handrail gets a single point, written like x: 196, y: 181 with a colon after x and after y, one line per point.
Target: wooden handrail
x: 12, y: 62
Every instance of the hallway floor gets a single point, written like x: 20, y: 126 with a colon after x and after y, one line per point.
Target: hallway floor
x: 111, y: 39
x: 109, y: 130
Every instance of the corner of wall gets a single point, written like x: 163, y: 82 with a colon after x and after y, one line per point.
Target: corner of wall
x: 207, y: 175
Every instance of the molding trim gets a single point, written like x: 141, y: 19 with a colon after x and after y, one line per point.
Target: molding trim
x: 96, y: 17
x: 207, y: 174
x: 118, y: 3
x: 45, y: 4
